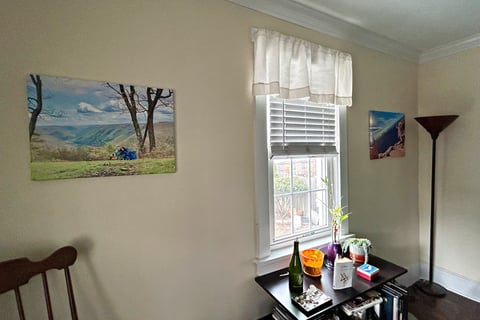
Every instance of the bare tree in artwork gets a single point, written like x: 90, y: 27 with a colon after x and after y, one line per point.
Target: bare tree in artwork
x: 129, y: 98
x: 152, y: 100
x: 137, y: 102
x: 35, y: 104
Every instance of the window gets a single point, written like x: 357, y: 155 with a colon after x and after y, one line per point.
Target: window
x: 299, y: 196
x: 297, y: 144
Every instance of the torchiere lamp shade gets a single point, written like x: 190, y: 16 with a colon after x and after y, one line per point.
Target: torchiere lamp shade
x: 435, y: 124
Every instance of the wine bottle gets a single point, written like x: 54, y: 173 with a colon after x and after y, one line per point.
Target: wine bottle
x: 295, y: 272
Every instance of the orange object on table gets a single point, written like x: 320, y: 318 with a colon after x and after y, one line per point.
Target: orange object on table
x: 312, y: 262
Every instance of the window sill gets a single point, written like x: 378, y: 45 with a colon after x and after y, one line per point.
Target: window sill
x: 280, y: 258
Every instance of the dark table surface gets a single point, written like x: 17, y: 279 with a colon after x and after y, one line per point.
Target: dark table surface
x: 276, y: 284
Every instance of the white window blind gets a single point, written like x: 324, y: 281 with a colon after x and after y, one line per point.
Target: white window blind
x: 298, y: 127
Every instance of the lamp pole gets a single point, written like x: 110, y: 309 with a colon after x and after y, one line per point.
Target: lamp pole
x: 434, y: 125
x: 432, y: 210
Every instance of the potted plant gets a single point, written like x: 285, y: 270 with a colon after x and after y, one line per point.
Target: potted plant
x: 337, y: 216
x: 358, y: 249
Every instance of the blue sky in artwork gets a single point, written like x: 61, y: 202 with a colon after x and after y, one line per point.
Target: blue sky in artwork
x: 79, y: 102
x: 383, y: 119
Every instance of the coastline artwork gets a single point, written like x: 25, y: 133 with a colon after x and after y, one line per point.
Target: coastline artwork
x: 81, y: 129
x: 387, y: 134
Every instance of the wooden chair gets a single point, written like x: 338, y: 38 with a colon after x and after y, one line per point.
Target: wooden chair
x: 17, y: 272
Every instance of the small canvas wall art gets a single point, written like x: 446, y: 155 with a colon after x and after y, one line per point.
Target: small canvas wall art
x: 80, y: 129
x: 387, y: 134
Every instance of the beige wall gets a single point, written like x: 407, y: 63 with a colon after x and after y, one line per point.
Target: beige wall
x: 451, y: 86
x: 181, y: 246
x: 383, y: 193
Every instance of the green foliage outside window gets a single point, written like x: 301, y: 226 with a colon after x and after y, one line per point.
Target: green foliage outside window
x: 282, y: 185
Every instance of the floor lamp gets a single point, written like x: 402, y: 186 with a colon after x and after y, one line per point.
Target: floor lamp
x: 434, y: 125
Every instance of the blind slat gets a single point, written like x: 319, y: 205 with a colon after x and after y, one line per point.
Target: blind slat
x: 298, y: 127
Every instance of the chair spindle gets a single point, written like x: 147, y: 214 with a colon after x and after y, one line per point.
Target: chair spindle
x: 71, y: 298
x: 47, y: 296
x: 21, y: 313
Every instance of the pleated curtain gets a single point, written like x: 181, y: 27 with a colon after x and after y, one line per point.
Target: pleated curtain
x: 294, y: 68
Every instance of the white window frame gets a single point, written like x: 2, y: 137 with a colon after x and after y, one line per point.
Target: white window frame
x: 273, y: 257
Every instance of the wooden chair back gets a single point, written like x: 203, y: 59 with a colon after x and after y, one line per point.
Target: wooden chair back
x: 18, y: 272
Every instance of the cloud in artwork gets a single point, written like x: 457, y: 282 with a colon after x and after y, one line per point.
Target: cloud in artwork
x: 113, y: 105
x: 84, y: 107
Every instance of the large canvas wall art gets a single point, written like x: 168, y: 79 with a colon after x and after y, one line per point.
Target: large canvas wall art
x: 387, y: 134
x: 80, y: 129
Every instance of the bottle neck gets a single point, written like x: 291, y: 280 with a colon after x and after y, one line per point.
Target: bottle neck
x: 295, y: 247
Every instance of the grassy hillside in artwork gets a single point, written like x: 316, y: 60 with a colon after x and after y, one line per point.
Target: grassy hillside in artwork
x: 87, y: 135
x: 84, y: 169
x: 63, y: 152
x: 53, y: 143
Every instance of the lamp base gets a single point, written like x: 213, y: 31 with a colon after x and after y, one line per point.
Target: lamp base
x: 430, y: 288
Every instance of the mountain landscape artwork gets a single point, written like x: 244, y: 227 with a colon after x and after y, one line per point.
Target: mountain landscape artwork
x: 387, y: 134
x: 81, y: 129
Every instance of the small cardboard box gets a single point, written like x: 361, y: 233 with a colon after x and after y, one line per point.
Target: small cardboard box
x: 367, y: 271
x: 342, y: 273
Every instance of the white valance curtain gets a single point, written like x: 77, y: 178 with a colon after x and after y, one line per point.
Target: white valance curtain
x: 296, y: 68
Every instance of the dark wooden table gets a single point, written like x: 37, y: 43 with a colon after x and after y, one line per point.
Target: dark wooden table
x: 276, y: 284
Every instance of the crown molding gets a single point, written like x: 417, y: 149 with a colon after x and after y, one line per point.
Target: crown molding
x: 450, y: 48
x: 299, y: 14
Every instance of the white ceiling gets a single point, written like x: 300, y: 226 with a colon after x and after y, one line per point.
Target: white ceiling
x: 418, y: 30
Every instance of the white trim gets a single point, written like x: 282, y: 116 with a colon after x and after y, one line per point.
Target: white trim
x: 452, y: 281
x: 451, y: 48
x: 261, y: 179
x: 321, y: 22
x: 342, y: 127
x: 297, y: 13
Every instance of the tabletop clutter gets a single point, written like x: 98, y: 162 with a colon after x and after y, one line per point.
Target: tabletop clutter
x: 345, y: 288
x: 310, y: 262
